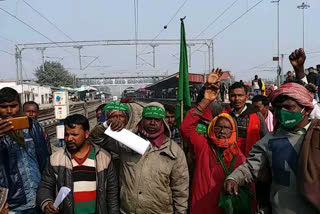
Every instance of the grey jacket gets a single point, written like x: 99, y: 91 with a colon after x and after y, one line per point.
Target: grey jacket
x: 280, y: 152
x: 59, y: 173
x: 157, y: 182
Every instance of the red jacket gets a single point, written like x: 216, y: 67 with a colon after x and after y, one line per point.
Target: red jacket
x: 208, y: 176
x: 253, y: 126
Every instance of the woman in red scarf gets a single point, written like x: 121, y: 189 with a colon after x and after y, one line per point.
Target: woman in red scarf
x: 209, y: 174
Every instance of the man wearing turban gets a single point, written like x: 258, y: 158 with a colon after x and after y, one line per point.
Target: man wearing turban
x: 292, y: 152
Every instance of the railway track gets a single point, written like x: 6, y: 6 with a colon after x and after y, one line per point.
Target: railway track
x: 48, y: 121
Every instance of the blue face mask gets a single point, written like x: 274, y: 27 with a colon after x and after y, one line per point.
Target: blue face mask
x: 289, y: 119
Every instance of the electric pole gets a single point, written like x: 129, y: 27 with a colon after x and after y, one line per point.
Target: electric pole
x: 303, y: 6
x: 278, y: 40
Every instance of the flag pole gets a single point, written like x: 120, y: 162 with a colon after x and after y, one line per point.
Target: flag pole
x: 181, y: 110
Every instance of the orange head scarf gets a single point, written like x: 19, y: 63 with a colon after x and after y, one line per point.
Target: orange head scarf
x: 230, y: 144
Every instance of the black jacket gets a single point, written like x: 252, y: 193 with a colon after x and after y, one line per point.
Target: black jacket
x: 59, y: 173
x: 312, y: 78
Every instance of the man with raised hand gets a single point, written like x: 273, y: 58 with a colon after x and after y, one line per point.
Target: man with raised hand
x: 291, y: 152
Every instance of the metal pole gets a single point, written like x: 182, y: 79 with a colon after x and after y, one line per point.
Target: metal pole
x: 282, y: 56
x: 212, y: 46
x: 20, y: 67
x: 42, y: 54
x: 154, y: 54
x: 80, y: 58
x: 278, y: 40
x: 189, y: 63
x: 209, y: 57
x: 17, y: 64
x: 278, y: 43
x: 303, y: 6
x: 303, y: 29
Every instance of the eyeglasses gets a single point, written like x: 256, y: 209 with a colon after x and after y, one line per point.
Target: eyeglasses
x: 219, y: 129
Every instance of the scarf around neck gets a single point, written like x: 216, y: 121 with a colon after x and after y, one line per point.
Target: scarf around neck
x: 156, y: 139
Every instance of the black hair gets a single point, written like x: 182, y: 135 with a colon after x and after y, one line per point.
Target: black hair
x: 238, y: 85
x: 100, y: 107
x: 8, y: 95
x: 31, y: 103
x: 77, y: 119
x: 264, y: 100
x: 170, y: 109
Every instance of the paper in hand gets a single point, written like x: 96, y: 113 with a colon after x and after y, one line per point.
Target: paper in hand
x: 64, y: 191
x: 129, y: 139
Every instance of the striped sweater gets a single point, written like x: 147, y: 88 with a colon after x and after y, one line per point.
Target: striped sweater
x: 85, y: 183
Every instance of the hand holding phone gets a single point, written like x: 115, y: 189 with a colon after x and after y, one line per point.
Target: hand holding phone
x: 5, y: 126
x: 19, y: 122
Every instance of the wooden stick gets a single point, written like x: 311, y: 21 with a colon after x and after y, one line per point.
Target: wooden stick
x: 181, y: 119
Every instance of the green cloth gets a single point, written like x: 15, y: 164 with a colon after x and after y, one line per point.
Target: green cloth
x: 116, y: 106
x: 154, y: 111
x: 183, y: 82
x: 201, y: 128
x: 235, y: 204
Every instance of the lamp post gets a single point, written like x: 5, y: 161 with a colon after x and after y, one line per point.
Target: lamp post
x: 278, y: 40
x: 303, y: 6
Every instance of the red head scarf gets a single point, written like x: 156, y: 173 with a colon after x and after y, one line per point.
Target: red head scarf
x: 295, y: 91
x: 230, y: 144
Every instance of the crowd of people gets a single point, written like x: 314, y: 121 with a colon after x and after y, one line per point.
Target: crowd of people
x: 238, y: 158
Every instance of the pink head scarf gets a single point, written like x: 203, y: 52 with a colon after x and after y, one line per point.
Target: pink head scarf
x: 295, y: 91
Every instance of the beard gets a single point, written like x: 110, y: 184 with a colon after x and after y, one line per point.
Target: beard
x: 72, y: 147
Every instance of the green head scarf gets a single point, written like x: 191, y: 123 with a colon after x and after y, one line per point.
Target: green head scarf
x: 116, y: 106
x: 154, y: 111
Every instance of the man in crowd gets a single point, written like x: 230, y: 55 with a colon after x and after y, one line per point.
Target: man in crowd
x: 262, y: 103
x: 251, y: 124
x: 23, y: 155
x: 100, y: 114
x: 291, y: 152
x: 312, y: 76
x: 170, y: 119
x: 222, y: 91
x: 31, y: 109
x: 256, y: 85
x: 83, y: 167
x: 290, y: 77
x: 156, y: 182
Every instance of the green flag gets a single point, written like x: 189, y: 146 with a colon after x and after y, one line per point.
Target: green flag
x: 183, y: 97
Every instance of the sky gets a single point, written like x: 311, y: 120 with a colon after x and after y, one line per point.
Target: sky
x: 245, y: 48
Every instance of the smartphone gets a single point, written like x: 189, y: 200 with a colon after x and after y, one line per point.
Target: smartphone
x: 19, y: 122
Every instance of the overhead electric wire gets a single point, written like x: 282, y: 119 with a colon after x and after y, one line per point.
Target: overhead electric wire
x: 54, y: 25
x: 9, y: 40
x: 165, y: 26
x: 234, y: 21
x: 32, y: 28
x: 7, y: 52
x: 216, y: 19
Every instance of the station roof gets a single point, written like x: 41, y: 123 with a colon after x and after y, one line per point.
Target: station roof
x: 172, y: 80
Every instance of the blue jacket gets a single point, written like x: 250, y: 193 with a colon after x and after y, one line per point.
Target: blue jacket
x: 9, y: 173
